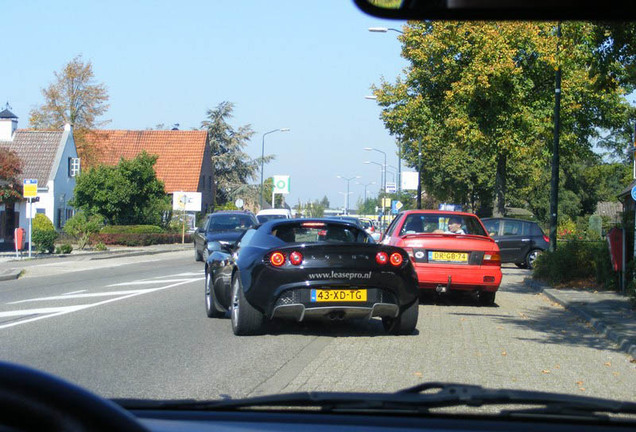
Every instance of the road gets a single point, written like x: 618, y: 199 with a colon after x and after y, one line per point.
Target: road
x: 136, y: 327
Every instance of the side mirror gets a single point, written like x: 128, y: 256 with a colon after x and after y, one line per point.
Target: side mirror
x: 214, y: 247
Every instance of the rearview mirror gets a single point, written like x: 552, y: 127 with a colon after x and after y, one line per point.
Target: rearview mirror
x: 551, y: 10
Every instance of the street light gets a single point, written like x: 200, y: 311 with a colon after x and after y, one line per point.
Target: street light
x: 384, y: 167
x: 384, y: 30
x: 365, y: 188
x: 347, y: 179
x: 263, y: 157
x: 381, y: 171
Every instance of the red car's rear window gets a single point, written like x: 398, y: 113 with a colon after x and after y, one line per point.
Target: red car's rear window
x: 441, y: 223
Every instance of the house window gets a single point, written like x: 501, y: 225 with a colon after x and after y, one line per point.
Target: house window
x: 74, y: 166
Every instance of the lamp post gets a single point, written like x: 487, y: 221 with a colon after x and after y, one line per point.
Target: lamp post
x: 348, y: 180
x: 384, y: 30
x: 399, y: 168
x: 383, y: 167
x: 419, y: 174
x: 263, y: 157
x: 365, y: 188
x: 381, y: 172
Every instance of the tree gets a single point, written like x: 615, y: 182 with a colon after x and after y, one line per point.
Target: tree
x: 478, y: 98
x: 126, y: 194
x: 74, y: 98
x: 10, y: 170
x: 232, y: 166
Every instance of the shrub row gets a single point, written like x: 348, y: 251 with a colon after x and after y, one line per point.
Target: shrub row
x: 138, y: 239
x: 576, y: 260
x: 131, y: 229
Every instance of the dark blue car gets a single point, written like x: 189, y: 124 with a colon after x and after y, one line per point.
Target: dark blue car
x: 224, y: 227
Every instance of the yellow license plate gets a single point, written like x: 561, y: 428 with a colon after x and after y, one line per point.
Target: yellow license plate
x: 321, y: 295
x: 460, y: 257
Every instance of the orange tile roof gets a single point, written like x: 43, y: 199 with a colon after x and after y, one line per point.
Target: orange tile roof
x: 180, y: 153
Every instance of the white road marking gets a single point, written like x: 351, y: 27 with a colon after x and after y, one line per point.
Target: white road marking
x: 148, y: 282
x: 76, y: 296
x: 53, y: 312
x: 74, y: 292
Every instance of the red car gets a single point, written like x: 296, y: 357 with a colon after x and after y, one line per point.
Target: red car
x: 450, y: 251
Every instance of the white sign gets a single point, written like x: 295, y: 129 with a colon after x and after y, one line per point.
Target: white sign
x: 409, y: 180
x: 281, y: 184
x: 186, y: 201
x: 239, y: 203
x: 391, y: 188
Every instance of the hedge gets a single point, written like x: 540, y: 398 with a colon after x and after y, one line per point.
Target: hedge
x: 138, y: 239
x: 131, y: 229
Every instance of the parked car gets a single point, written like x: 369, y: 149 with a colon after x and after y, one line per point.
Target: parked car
x: 271, y: 214
x: 302, y: 269
x: 224, y: 227
x: 451, y: 251
x: 520, y: 241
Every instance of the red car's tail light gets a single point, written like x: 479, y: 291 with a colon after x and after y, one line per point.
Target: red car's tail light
x: 492, y: 258
x: 381, y: 258
x: 296, y: 258
x: 396, y: 259
x: 277, y: 259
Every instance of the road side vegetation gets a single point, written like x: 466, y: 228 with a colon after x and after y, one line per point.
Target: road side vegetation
x: 43, y: 234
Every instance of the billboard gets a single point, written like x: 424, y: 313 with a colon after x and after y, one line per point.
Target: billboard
x: 409, y: 180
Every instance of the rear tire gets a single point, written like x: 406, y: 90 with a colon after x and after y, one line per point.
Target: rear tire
x: 532, y: 257
x: 211, y: 307
x: 246, y: 320
x: 403, y: 324
x: 487, y: 298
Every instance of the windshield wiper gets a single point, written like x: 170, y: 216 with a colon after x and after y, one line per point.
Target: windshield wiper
x: 411, y: 399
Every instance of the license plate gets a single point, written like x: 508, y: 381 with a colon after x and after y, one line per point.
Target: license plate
x: 322, y: 295
x: 459, y: 257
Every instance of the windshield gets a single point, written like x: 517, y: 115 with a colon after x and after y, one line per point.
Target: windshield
x: 123, y: 125
x: 229, y: 222
x: 264, y: 218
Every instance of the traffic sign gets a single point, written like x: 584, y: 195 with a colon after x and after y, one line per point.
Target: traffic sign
x: 30, y: 188
x: 281, y: 184
x: 634, y: 193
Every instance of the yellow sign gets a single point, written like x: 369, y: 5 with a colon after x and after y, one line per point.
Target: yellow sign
x: 386, y: 202
x: 30, y: 188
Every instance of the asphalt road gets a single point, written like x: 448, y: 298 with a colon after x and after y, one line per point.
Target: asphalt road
x: 136, y: 327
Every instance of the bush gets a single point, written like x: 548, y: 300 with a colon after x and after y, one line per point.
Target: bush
x: 576, y: 260
x: 100, y: 246
x: 64, y: 249
x: 139, y: 239
x: 81, y: 227
x: 43, y: 235
x: 131, y: 229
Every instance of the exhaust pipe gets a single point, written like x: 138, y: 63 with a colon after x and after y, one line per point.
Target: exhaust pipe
x: 336, y: 315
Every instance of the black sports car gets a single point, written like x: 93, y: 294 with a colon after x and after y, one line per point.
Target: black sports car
x: 310, y: 268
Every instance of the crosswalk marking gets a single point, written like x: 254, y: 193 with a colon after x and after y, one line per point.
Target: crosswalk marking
x: 43, y: 313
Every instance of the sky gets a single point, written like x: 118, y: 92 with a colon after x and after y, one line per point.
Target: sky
x: 302, y: 65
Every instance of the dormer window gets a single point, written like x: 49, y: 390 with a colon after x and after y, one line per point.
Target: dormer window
x: 74, y: 166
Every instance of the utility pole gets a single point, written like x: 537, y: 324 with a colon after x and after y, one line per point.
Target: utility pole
x: 554, y: 182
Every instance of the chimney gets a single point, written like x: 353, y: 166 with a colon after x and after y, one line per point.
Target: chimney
x: 8, y: 124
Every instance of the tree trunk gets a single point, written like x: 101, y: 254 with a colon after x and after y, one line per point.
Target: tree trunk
x: 500, y: 187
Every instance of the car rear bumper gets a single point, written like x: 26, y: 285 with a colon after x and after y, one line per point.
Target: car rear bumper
x: 458, y: 277
x: 301, y: 312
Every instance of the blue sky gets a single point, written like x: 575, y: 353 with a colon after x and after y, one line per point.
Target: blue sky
x: 305, y: 65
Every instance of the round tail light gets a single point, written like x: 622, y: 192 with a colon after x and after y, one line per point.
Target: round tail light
x: 277, y: 259
x: 381, y: 258
x: 296, y: 258
x: 396, y: 259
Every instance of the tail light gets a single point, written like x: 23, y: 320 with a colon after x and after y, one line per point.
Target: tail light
x: 277, y: 259
x: 546, y: 238
x: 296, y: 258
x: 396, y: 259
x: 492, y: 258
x: 381, y: 258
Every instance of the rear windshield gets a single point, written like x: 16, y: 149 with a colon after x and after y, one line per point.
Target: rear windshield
x: 230, y: 222
x: 432, y: 223
x: 314, y: 232
x: 268, y: 217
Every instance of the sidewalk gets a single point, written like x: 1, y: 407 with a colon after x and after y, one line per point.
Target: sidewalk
x: 11, y: 267
x: 609, y: 313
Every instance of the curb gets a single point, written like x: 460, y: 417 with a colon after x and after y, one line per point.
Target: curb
x: 624, y: 343
x: 10, y: 274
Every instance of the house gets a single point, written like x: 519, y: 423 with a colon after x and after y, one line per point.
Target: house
x: 184, y: 162
x: 51, y: 158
